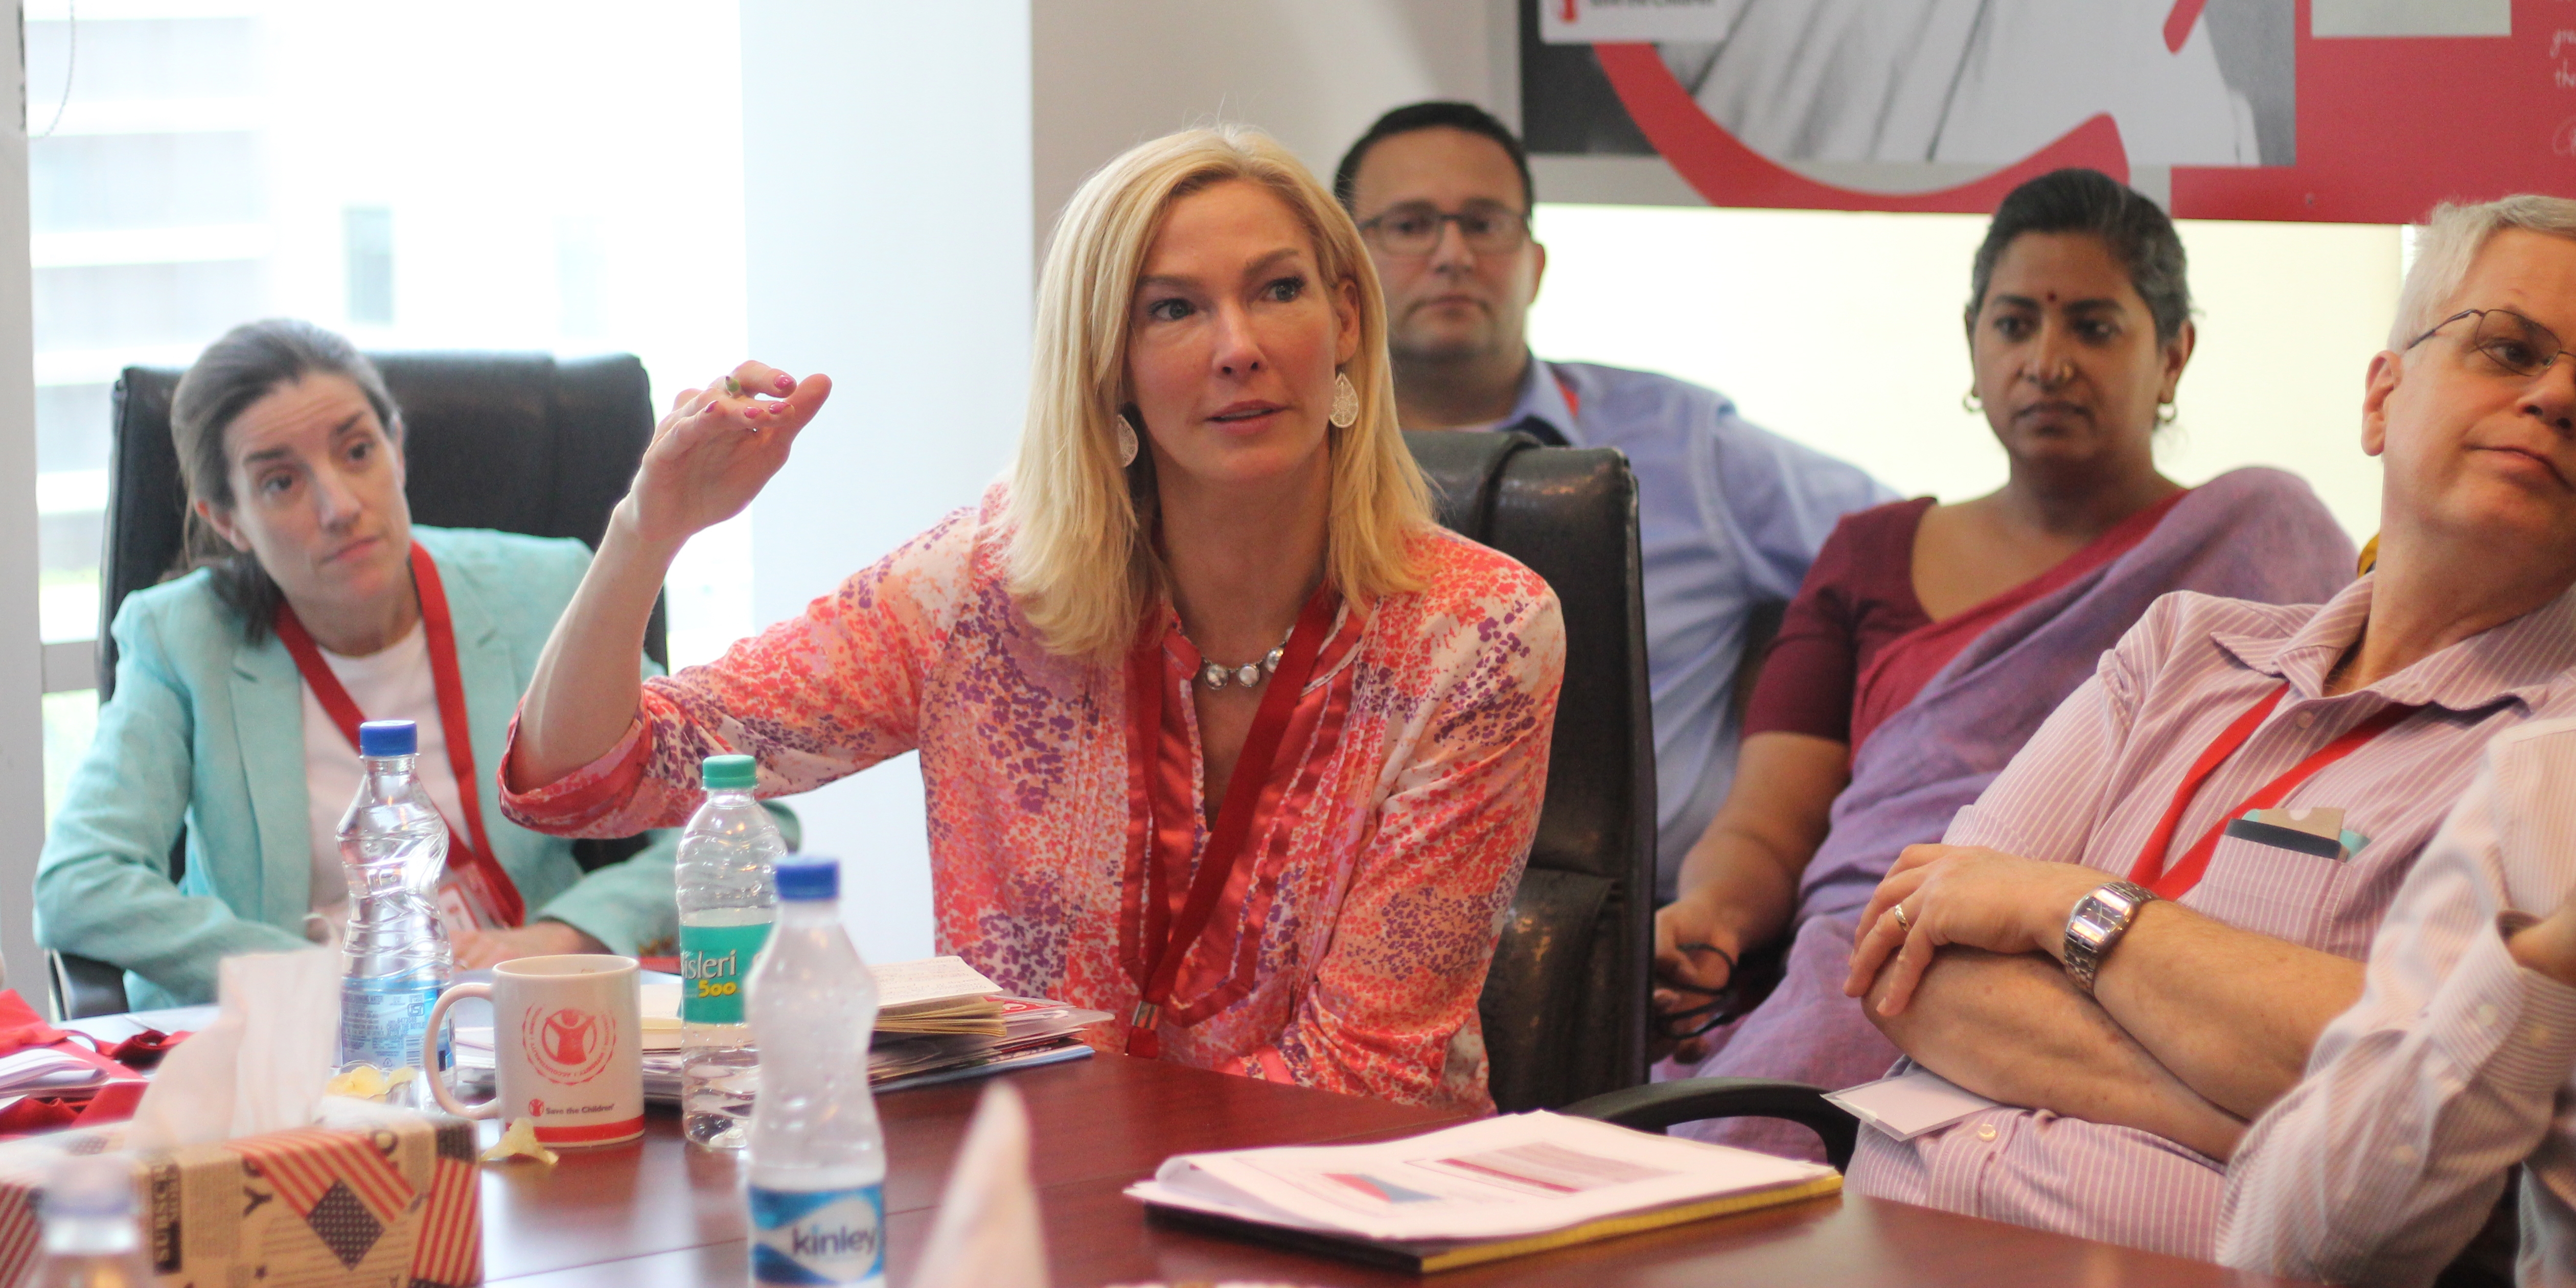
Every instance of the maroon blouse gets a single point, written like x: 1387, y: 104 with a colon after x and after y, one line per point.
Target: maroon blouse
x: 1858, y: 598
x: 1856, y: 645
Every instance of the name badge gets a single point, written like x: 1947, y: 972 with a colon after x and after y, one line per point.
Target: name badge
x: 2339, y: 845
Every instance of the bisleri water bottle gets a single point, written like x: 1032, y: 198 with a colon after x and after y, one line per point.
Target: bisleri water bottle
x: 728, y: 856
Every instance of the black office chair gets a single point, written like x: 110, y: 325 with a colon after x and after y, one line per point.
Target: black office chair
x: 1564, y: 1006
x: 1660, y: 1105
x: 517, y: 442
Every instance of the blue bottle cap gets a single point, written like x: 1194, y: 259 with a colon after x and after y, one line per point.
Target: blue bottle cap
x: 808, y: 877
x: 388, y: 738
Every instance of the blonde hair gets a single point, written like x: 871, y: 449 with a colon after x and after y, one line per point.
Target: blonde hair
x: 2449, y: 245
x: 1082, y: 563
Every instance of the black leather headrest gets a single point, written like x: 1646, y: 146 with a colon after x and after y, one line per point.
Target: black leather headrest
x: 517, y: 442
x: 1464, y: 471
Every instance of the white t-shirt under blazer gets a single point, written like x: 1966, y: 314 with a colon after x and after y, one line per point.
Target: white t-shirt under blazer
x: 393, y: 683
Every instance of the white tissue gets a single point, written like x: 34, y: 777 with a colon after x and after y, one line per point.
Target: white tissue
x: 260, y: 1067
x: 987, y: 1235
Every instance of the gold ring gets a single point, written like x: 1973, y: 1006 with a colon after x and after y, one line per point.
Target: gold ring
x: 1903, y: 922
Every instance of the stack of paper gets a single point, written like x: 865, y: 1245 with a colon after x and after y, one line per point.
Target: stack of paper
x: 933, y: 995
x: 937, y: 995
x: 48, y: 1072
x: 1487, y: 1190
x: 1034, y: 1031
x: 939, y: 1019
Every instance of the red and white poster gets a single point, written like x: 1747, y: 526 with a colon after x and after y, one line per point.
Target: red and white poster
x: 2364, y: 111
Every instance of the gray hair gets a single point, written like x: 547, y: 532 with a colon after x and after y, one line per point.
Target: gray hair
x: 2450, y: 243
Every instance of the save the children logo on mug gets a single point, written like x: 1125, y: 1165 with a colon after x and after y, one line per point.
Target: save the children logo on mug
x: 566, y: 1036
x: 568, y: 1045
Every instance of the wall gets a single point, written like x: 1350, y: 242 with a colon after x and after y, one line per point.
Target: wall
x: 1313, y: 73
x: 22, y: 767
x: 1842, y: 330
x: 886, y: 207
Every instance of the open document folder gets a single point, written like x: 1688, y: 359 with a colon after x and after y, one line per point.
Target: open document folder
x: 1479, y: 1192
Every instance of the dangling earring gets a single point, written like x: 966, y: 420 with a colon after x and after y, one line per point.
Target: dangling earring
x: 1346, y: 401
x: 1970, y: 403
x: 2166, y: 412
x: 1126, y: 442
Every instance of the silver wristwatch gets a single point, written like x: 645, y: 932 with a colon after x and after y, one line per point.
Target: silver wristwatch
x: 2097, y: 924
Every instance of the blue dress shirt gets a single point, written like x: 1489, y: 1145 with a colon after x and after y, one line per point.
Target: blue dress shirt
x: 1729, y: 515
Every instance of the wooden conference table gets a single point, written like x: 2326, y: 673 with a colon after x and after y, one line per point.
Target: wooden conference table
x: 656, y: 1212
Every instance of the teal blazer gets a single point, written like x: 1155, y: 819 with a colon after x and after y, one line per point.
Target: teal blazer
x: 206, y: 734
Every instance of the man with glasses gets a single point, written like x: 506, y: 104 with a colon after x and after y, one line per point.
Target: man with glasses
x: 2459, y: 1061
x: 2140, y: 938
x: 1729, y: 516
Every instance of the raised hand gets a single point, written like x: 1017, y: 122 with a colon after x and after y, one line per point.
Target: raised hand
x: 708, y: 458
x: 716, y: 449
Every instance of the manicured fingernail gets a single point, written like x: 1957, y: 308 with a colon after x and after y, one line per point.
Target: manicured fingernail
x: 786, y: 381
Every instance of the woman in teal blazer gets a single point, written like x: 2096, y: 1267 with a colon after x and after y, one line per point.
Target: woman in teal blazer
x: 206, y: 733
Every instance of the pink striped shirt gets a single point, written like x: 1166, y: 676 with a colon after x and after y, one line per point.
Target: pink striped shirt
x: 2456, y: 1065
x: 2090, y: 788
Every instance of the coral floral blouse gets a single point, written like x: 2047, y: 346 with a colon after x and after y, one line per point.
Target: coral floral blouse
x: 1347, y: 949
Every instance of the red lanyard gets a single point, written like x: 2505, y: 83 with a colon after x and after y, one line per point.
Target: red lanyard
x: 1166, y: 941
x: 2172, y: 882
x: 491, y: 887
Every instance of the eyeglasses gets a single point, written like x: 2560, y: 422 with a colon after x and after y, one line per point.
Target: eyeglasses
x: 1488, y: 228
x: 2511, y: 341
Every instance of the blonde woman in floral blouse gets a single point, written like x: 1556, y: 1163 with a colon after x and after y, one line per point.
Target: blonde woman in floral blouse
x: 1219, y: 732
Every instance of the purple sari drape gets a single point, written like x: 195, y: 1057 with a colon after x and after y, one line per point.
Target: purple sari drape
x: 2257, y: 534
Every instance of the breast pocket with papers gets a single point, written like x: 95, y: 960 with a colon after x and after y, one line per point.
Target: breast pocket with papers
x: 2272, y: 880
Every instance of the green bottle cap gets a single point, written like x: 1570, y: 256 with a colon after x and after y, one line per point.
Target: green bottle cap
x: 729, y: 773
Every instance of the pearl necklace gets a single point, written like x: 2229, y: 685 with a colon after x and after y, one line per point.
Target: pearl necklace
x: 1216, y: 675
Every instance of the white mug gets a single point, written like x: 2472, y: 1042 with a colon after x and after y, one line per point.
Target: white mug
x: 568, y: 1040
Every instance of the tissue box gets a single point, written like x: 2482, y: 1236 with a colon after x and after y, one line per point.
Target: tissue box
x: 393, y: 1204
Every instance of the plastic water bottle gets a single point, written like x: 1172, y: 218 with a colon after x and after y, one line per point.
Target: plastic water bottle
x: 91, y: 1239
x: 393, y: 845
x: 817, y: 1155
x: 728, y: 859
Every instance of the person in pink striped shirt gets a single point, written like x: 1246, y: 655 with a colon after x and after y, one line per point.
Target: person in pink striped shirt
x: 2135, y: 937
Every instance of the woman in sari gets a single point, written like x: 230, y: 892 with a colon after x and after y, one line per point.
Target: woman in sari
x: 1219, y: 732
x: 1929, y: 641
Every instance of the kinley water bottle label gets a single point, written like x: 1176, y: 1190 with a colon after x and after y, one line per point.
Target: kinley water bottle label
x: 381, y: 1020
x: 713, y: 962
x: 818, y: 1236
